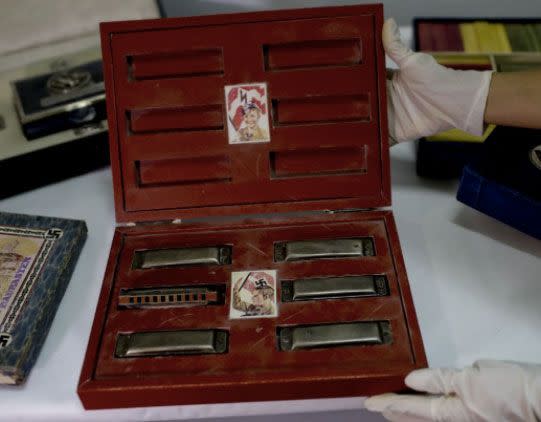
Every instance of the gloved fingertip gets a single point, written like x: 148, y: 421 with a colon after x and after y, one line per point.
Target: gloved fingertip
x: 392, y: 42
x: 433, y: 380
x: 380, y: 402
x: 390, y: 32
x: 418, y: 379
x: 390, y: 24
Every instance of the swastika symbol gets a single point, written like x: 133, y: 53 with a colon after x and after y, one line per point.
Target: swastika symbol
x: 53, y: 234
x: 5, y: 339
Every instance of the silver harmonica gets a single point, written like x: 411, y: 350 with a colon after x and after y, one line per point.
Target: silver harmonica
x: 216, y: 255
x: 334, y: 287
x: 324, y: 248
x: 164, y: 343
x: 334, y: 335
x: 171, y: 296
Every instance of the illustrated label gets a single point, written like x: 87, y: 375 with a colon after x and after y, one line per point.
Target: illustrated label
x: 247, y: 113
x: 253, y: 294
x: 23, y: 253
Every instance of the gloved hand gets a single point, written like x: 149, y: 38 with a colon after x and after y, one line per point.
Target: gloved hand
x: 487, y: 391
x: 424, y: 97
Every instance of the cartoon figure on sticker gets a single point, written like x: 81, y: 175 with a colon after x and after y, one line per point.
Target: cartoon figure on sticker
x: 253, y: 294
x: 247, y: 113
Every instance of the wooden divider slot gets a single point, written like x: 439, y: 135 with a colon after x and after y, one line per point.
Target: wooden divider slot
x: 183, y: 64
x: 321, y: 109
x: 191, y: 118
x: 184, y: 171
x: 315, y: 162
x: 312, y: 54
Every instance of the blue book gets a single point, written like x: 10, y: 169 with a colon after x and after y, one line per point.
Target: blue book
x: 505, y: 181
x: 37, y: 258
x: 498, y: 200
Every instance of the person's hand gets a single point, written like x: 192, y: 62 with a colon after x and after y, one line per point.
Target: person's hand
x: 424, y: 97
x: 487, y: 391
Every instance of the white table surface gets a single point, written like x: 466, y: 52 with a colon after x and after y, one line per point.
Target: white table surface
x: 476, y: 285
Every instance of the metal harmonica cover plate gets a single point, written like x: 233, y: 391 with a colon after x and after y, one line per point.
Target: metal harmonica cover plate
x: 216, y: 255
x: 163, y: 343
x: 334, y: 335
x: 325, y: 248
x: 334, y: 287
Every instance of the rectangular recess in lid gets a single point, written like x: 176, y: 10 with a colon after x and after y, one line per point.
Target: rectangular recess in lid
x: 183, y: 64
x: 191, y: 118
x: 312, y: 54
x: 314, y: 162
x: 182, y: 171
x: 321, y: 109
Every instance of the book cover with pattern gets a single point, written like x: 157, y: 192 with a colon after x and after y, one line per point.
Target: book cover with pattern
x: 37, y: 258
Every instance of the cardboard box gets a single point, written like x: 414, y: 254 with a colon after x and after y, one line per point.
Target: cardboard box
x: 37, y: 258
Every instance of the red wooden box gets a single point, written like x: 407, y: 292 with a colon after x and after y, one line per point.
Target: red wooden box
x: 190, y: 171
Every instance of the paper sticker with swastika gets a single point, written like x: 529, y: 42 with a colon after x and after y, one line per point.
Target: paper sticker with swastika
x: 253, y: 294
x: 247, y: 113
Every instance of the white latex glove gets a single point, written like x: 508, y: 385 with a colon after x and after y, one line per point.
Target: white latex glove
x: 488, y: 391
x: 425, y: 98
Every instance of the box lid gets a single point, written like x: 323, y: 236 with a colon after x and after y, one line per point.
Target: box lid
x: 247, y: 113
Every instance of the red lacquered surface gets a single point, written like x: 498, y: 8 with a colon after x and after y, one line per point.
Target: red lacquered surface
x: 171, y: 159
x: 254, y: 368
x: 324, y: 69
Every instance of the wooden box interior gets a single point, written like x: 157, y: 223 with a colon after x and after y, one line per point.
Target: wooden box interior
x: 253, y: 368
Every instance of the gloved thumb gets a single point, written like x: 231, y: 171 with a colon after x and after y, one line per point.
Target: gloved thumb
x: 434, y: 381
x: 392, y: 43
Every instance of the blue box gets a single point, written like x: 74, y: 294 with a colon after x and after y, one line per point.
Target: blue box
x: 37, y: 258
x: 497, y: 200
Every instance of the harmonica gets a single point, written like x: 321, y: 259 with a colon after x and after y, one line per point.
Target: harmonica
x: 171, y: 296
x: 325, y: 248
x: 164, y: 343
x: 334, y: 287
x: 216, y: 255
x: 334, y: 335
